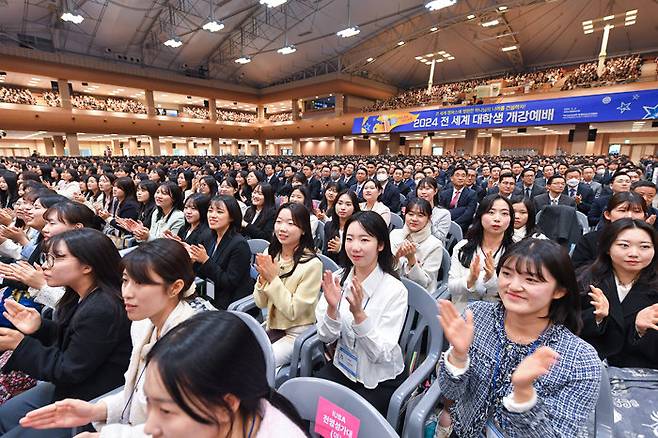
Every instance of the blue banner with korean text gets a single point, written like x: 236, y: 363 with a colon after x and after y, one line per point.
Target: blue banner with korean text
x: 611, y: 107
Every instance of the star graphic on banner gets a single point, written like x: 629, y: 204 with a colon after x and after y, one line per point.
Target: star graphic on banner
x: 636, y: 96
x: 623, y: 107
x: 652, y: 112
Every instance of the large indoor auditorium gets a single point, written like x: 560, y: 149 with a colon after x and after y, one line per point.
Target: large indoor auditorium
x: 328, y: 218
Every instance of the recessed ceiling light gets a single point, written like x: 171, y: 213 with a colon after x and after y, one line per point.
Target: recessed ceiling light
x: 400, y: 43
x: 433, y: 29
x: 470, y: 17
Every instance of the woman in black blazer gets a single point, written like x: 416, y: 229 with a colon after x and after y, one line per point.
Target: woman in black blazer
x: 259, y: 218
x: 196, y: 231
x: 226, y: 261
x: 85, y: 351
x: 620, y: 296
x: 124, y: 204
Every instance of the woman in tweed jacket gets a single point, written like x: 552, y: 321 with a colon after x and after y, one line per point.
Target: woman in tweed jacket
x: 516, y: 368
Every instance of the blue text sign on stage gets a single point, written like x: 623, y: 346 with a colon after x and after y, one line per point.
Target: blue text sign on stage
x: 611, y: 107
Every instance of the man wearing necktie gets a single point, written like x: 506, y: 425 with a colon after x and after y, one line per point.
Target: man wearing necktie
x: 578, y: 190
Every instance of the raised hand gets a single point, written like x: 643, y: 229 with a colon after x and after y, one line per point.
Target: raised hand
x: 651, y: 219
x: 169, y: 235
x: 457, y: 330
x: 64, y: 414
x: 600, y: 303
x: 332, y: 291
x: 355, y: 298
x: 489, y: 266
x: 334, y: 245
x: 6, y: 216
x: 198, y: 253
x: 646, y: 319
x: 266, y: 267
x: 10, y: 338
x: 530, y: 369
x: 25, y: 319
x: 474, y: 271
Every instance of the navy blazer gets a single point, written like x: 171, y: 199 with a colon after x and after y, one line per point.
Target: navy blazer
x: 596, y: 210
x: 543, y: 200
x: 587, y: 197
x: 615, y: 339
x: 347, y: 183
x: 84, y: 353
x: 464, y: 211
x: 391, y: 197
x: 315, y: 188
x: 228, y: 268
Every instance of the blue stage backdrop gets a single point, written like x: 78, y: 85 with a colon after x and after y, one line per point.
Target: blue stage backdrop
x: 611, y: 107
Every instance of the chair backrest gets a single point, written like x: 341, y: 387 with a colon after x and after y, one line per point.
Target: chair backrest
x: 582, y: 220
x: 604, y: 415
x: 319, y: 236
x: 396, y: 221
x: 257, y: 246
x: 455, y: 234
x: 123, y: 252
x: 444, y: 271
x: 421, y: 314
x: 263, y: 341
x: 305, y: 392
x: 328, y: 264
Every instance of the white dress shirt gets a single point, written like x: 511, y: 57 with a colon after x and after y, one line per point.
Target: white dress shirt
x: 375, y: 341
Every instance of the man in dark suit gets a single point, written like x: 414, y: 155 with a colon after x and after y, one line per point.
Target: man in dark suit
x: 528, y: 188
x: 348, y: 179
x: 361, y: 178
x: 390, y: 196
x: 555, y: 195
x: 471, y: 183
x: 400, y: 182
x: 505, y: 187
x: 314, y: 187
x: 578, y: 190
x: 271, y: 178
x: 620, y: 182
x: 461, y: 201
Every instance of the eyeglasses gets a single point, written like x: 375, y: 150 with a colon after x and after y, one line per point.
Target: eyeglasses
x: 49, y: 262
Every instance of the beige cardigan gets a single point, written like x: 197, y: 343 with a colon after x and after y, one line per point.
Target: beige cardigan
x: 291, y: 301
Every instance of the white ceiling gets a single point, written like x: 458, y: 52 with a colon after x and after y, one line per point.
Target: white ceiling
x: 547, y: 31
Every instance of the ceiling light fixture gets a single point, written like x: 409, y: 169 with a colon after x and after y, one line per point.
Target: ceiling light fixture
x: 213, y: 26
x: 490, y: 23
x: 243, y: 60
x: 272, y: 3
x: 370, y: 59
x: 435, y: 5
x: 349, y: 32
x: 72, y: 17
x: 173, y: 42
x: 509, y: 48
x: 400, y: 43
x: 502, y: 8
x: 434, y: 29
x: 470, y: 17
x: 287, y: 50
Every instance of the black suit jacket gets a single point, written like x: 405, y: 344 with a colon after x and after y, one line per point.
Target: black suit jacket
x: 587, y: 197
x: 596, y: 210
x: 274, y: 182
x: 84, y: 353
x: 542, y: 201
x: 615, y: 338
x: 391, y: 197
x: 359, y: 195
x: 129, y: 209
x: 536, y: 190
x: 314, y: 188
x: 262, y: 228
x: 586, y: 250
x: 229, y: 269
x: 463, y: 212
x: 349, y: 181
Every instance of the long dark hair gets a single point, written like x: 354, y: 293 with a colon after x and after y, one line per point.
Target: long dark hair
x: 602, y: 266
x: 530, y: 208
x: 269, y: 205
x: 233, y: 209
x: 198, y: 379
x: 375, y: 226
x: 430, y: 182
x: 164, y: 257
x: 530, y: 256
x: 200, y: 203
x: 127, y: 185
x: 72, y: 213
x: 324, y: 203
x: 172, y: 189
x: 475, y: 234
x: 633, y: 199
x: 211, y: 182
x: 335, y: 220
x: 308, y: 203
x: 305, y: 251
x: 96, y: 250
x: 9, y: 196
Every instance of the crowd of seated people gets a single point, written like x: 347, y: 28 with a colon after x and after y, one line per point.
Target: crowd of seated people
x: 617, y: 70
x: 17, y: 95
x: 624, y: 69
x: 138, y: 321
x: 228, y: 115
x: 52, y: 99
x: 196, y: 112
x: 280, y: 117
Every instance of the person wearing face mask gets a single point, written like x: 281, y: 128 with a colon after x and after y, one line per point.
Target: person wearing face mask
x: 417, y: 252
x: 390, y: 193
x: 578, y: 190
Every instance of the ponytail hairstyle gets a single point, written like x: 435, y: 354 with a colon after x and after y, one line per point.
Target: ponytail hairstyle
x: 198, y: 379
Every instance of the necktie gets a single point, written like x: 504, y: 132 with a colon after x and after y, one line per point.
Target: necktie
x: 527, y: 192
x: 572, y: 193
x: 554, y: 201
x: 454, y: 200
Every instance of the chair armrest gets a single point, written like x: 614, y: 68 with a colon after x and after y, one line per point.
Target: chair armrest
x: 296, y: 357
x: 442, y: 292
x: 243, y: 304
x: 306, y: 355
x: 603, y: 414
x: 404, y: 391
x: 415, y: 425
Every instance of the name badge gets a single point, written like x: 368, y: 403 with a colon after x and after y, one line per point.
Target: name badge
x: 347, y: 360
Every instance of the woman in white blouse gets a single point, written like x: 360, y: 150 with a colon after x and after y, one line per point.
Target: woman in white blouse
x: 474, y: 259
x: 417, y: 252
x: 428, y: 190
x: 154, y: 290
x: 363, y: 309
x: 372, y: 189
